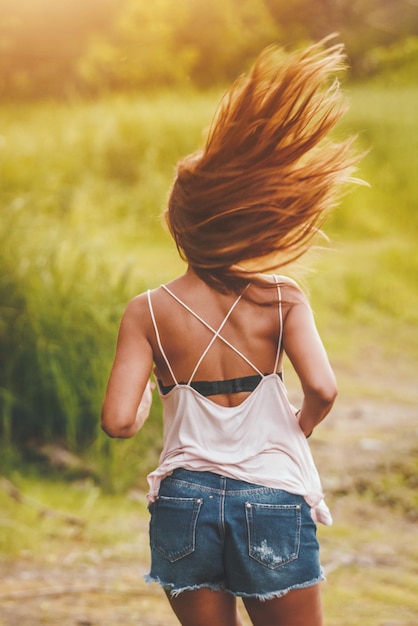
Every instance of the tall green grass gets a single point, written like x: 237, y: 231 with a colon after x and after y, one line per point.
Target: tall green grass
x: 364, y: 289
x: 82, y: 189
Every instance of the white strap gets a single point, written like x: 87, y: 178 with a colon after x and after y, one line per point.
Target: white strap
x: 158, y: 336
x: 279, y: 345
x: 216, y: 333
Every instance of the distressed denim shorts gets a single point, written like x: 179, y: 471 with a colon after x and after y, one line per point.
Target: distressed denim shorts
x: 207, y: 530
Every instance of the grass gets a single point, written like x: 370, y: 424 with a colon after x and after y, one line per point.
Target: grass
x: 31, y: 530
x: 83, y: 186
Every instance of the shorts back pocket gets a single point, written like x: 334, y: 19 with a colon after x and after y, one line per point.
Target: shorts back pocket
x: 173, y: 526
x: 273, y: 533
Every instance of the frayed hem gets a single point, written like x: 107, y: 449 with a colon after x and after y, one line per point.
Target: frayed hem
x: 170, y: 587
x: 262, y: 597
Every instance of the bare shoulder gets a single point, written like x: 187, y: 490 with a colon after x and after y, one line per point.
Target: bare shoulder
x: 290, y: 291
x: 137, y: 305
x: 136, y: 316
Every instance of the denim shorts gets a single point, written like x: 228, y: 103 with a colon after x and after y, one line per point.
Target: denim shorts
x: 207, y: 530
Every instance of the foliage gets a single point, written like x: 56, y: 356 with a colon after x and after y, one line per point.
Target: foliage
x: 86, y: 47
x: 209, y: 42
x: 82, y: 190
x: 83, y: 186
x: 394, y: 64
x: 41, y: 42
x: 362, y: 24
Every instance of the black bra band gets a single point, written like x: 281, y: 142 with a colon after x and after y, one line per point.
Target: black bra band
x: 216, y: 387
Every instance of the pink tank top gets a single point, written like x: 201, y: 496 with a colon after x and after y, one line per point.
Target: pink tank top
x: 259, y: 441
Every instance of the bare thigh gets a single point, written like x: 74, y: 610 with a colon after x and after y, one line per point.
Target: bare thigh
x: 297, y: 608
x: 203, y: 607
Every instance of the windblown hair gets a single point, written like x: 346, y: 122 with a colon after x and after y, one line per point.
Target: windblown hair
x: 263, y: 183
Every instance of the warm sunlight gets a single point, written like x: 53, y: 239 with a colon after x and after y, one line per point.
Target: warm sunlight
x: 99, y: 99
x: 88, y: 46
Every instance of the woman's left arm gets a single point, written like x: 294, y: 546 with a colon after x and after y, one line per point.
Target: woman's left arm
x: 306, y: 352
x: 128, y: 394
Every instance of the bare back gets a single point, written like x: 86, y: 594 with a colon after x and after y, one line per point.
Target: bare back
x: 252, y: 327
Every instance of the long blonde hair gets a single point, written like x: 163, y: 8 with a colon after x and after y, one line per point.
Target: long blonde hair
x: 267, y: 176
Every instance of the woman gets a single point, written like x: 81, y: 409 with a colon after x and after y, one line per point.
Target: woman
x: 236, y: 496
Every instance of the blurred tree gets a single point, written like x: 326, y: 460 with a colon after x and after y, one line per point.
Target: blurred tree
x: 198, y: 41
x: 41, y: 41
x: 396, y: 64
x: 362, y: 24
x: 58, y: 47
x: 226, y: 35
x: 140, y: 50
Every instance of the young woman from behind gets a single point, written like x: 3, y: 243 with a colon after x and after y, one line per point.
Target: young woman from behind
x: 236, y: 497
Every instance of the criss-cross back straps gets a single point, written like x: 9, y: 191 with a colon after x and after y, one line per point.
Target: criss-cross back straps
x: 216, y: 333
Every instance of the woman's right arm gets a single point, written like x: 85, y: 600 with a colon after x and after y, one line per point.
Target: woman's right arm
x: 303, y: 346
x: 128, y: 394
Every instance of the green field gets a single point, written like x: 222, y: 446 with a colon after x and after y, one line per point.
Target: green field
x: 82, y: 187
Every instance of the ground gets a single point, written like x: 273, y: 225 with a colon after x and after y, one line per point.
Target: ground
x: 369, y: 554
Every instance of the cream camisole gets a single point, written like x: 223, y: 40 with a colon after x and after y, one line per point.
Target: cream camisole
x: 259, y: 441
